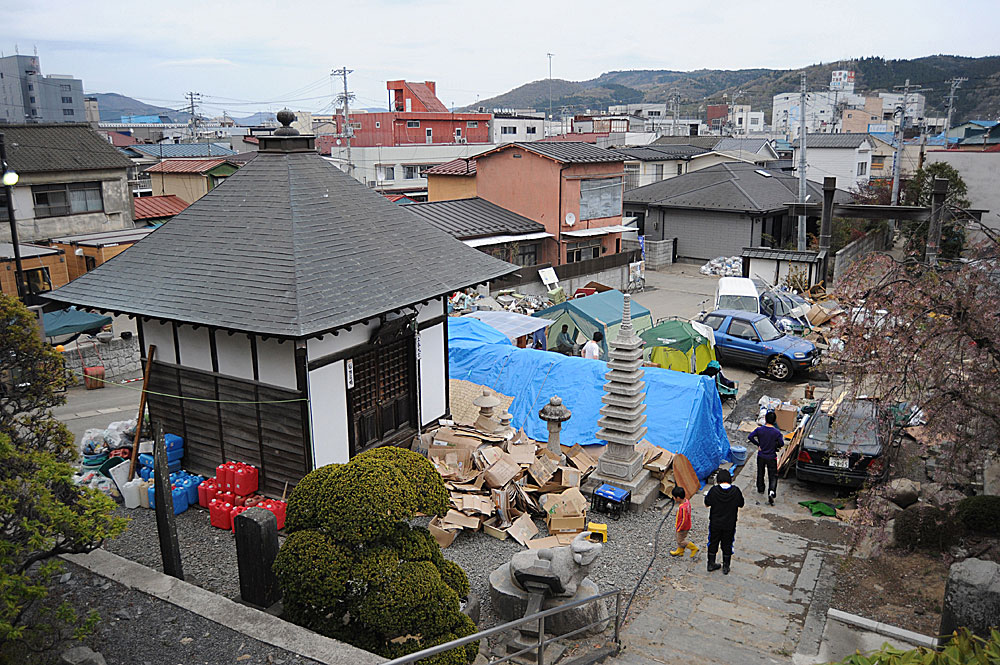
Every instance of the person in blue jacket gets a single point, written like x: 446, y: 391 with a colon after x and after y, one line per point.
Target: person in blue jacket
x: 768, y: 439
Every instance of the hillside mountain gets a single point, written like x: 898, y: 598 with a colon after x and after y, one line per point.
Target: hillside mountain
x: 979, y: 97
x: 113, y: 106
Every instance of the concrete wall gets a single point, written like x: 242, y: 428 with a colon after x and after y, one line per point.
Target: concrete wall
x: 450, y: 187
x: 979, y: 171
x: 189, y: 187
x: 703, y: 235
x: 616, y: 278
x: 839, y: 162
x: 659, y: 253
x: 875, y: 241
x: 120, y: 358
x: 117, y: 213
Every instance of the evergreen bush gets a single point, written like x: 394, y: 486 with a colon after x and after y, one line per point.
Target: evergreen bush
x: 926, y: 527
x: 980, y: 514
x: 353, y: 569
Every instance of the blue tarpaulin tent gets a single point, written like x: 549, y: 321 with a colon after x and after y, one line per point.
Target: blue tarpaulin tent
x: 72, y: 320
x: 683, y: 411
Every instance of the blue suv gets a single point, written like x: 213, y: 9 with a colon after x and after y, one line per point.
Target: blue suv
x: 745, y: 338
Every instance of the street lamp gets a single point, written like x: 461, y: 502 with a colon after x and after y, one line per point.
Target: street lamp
x: 9, y: 180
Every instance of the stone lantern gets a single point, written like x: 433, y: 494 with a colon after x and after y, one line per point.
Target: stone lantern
x: 554, y: 414
x: 487, y: 402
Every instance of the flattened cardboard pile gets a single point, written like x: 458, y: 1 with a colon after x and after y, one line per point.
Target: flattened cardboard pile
x: 498, y: 482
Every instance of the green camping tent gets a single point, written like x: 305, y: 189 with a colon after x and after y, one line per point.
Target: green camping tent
x: 600, y: 311
x: 675, y: 344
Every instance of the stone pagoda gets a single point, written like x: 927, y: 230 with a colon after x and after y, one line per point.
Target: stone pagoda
x: 623, y: 421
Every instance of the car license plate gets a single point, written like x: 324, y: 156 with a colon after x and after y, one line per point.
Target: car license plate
x: 839, y: 462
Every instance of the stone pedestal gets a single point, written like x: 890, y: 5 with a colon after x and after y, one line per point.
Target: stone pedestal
x: 971, y: 597
x: 510, y: 602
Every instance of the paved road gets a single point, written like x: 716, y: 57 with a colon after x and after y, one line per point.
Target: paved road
x: 758, y: 613
x: 677, y: 290
x: 86, y: 409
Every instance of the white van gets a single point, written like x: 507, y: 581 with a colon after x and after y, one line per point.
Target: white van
x: 737, y: 293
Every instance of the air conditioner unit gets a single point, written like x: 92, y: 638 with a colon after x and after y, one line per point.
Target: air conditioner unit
x: 372, y: 183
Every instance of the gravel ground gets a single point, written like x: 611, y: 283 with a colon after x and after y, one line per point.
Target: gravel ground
x: 137, y: 629
x: 208, y: 555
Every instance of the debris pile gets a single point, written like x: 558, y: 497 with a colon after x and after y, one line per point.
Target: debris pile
x: 507, y: 300
x: 724, y: 266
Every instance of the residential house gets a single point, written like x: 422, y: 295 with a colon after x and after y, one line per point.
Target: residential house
x: 28, y: 96
x: 71, y: 181
x: 652, y: 163
x: 491, y: 229
x: 970, y: 129
x: 415, y: 116
x: 883, y: 154
x: 452, y: 180
x: 85, y: 252
x: 743, y: 120
x: 573, y: 189
x: 757, y: 150
x: 188, y: 179
x: 161, y: 151
x: 155, y: 210
x: 848, y: 157
x: 44, y: 268
x: 292, y: 329
x: 717, y: 211
x: 865, y: 119
x: 978, y: 169
x: 591, y: 124
x: 510, y: 127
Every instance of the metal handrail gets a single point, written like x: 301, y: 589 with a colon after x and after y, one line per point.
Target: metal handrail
x: 510, y: 625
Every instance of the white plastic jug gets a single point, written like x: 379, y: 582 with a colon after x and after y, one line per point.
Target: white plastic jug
x: 130, y: 492
x: 144, y: 492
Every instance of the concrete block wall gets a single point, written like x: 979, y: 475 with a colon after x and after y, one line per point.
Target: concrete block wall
x: 659, y: 253
x: 119, y: 357
x: 875, y: 241
x: 616, y: 278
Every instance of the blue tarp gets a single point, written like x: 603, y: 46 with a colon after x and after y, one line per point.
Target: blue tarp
x: 72, y: 320
x: 683, y: 411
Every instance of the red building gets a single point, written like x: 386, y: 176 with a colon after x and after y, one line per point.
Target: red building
x: 417, y: 116
x: 716, y: 115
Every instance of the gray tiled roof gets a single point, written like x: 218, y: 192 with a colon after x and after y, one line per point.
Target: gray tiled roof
x: 851, y: 141
x: 568, y: 151
x: 706, y: 142
x: 288, y: 246
x: 474, y: 218
x: 734, y: 144
x: 168, y: 150
x: 734, y: 186
x: 59, y: 147
x: 656, y: 153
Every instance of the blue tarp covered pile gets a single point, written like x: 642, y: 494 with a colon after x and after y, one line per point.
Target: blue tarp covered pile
x: 72, y: 320
x: 683, y: 411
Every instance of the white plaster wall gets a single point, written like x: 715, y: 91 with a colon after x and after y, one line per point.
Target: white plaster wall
x: 235, y: 357
x: 195, y: 349
x: 276, y: 363
x: 344, y: 339
x: 432, y: 374
x: 763, y: 269
x: 839, y: 162
x: 430, y: 310
x: 979, y: 171
x: 328, y: 409
x: 161, y: 335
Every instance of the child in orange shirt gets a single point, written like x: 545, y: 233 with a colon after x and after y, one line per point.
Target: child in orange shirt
x: 683, y: 523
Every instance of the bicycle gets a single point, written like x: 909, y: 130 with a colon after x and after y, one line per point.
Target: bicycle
x: 636, y: 284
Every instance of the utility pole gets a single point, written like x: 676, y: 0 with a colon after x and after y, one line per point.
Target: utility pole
x: 9, y: 192
x: 802, y: 161
x: 549, y: 56
x: 193, y: 99
x: 955, y: 83
x: 345, y: 98
x: 898, y: 156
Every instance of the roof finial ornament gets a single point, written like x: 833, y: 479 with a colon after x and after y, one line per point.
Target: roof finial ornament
x: 286, y: 118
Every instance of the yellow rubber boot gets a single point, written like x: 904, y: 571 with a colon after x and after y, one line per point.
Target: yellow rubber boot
x: 694, y: 549
x: 677, y: 552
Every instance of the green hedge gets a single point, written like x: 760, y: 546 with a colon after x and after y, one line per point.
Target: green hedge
x: 980, y: 514
x: 926, y: 527
x: 353, y: 569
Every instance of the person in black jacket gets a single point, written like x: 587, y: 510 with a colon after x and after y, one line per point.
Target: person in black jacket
x: 724, y: 501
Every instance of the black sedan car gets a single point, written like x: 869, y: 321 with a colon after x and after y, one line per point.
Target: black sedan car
x: 842, y: 445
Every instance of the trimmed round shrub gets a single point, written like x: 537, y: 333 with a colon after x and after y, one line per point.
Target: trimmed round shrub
x: 305, y: 501
x: 313, y: 570
x: 926, y: 527
x: 432, y: 495
x: 455, y: 577
x: 980, y: 514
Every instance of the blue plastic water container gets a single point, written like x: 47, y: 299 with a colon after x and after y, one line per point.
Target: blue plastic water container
x: 145, y: 472
x: 175, y: 455
x: 173, y: 441
x: 739, y: 455
x: 180, y: 497
x: 152, y: 496
x: 146, y: 459
x: 191, y: 484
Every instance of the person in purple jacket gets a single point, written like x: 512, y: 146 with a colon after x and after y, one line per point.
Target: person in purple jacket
x: 768, y: 440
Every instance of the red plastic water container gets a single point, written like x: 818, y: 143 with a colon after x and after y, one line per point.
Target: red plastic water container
x: 226, y: 496
x: 253, y: 500
x: 206, y: 492
x: 276, y: 507
x: 219, y: 514
x: 239, y: 501
x: 232, y: 515
x: 245, y: 479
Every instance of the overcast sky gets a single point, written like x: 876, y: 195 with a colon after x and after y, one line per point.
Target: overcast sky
x: 256, y: 55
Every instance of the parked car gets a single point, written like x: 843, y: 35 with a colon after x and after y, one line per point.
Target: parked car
x: 751, y: 339
x: 786, y: 310
x: 842, y: 446
x: 737, y: 293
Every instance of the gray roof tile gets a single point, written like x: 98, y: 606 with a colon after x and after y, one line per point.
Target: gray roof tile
x: 288, y: 246
x: 851, y: 141
x: 474, y: 218
x: 656, y: 153
x: 59, y: 147
x: 568, y: 152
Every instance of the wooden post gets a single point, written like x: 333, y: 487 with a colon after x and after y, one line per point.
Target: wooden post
x: 256, y: 549
x: 826, y: 225
x: 142, y: 409
x: 165, y: 526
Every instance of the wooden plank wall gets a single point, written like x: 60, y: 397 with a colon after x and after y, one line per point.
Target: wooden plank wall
x: 269, y: 436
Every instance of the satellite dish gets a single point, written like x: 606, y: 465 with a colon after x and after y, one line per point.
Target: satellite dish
x: 338, y: 141
x: 570, y: 219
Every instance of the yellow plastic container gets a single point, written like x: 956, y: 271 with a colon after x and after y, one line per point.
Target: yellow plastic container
x: 602, y: 529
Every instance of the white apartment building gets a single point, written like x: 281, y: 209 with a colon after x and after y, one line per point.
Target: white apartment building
x: 742, y: 120
x: 400, y: 169
x: 517, y: 126
x: 824, y: 110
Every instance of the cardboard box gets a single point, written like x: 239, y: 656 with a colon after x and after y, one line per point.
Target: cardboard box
x: 491, y: 528
x: 661, y: 464
x: 456, y: 519
x: 786, y: 416
x: 569, y: 524
x: 443, y: 536
x: 523, y: 453
x: 543, y: 469
x: 523, y: 529
x: 501, y: 472
x: 543, y: 543
x: 579, y: 458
